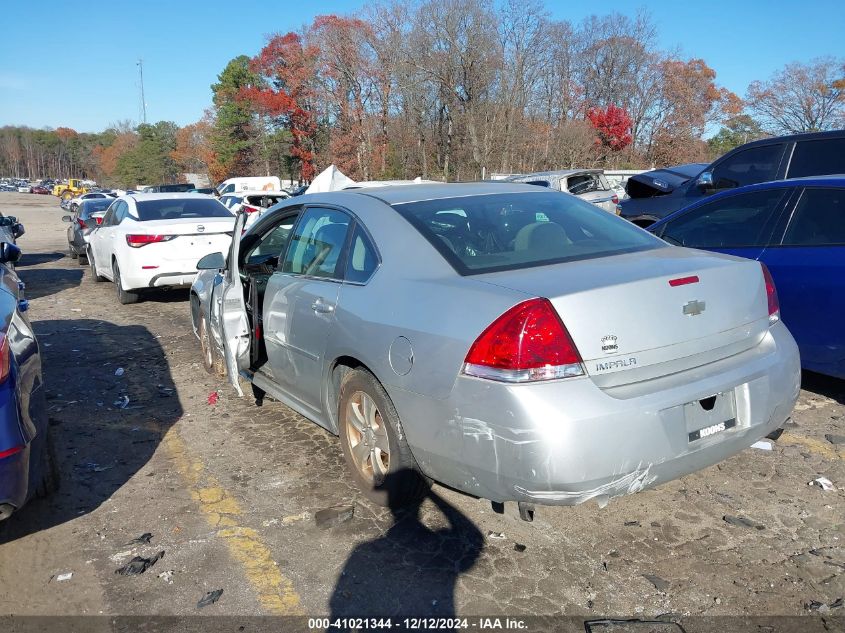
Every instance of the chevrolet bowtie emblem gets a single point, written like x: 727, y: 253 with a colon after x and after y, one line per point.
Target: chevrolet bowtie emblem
x: 694, y: 308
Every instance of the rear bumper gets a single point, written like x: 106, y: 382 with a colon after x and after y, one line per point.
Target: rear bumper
x: 565, y: 442
x: 157, y: 278
x: 14, y: 481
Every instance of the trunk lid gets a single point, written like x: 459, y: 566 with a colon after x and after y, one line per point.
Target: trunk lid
x: 630, y: 324
x: 196, y: 237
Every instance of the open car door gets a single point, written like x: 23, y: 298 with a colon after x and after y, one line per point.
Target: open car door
x: 235, y: 324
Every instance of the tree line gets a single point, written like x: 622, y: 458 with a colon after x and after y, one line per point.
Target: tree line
x: 452, y: 90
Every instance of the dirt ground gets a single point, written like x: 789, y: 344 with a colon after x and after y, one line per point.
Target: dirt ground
x: 229, y: 492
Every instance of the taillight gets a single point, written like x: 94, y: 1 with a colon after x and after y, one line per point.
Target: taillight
x: 99, y: 220
x: 527, y: 343
x: 249, y: 208
x: 137, y: 241
x: 5, y: 358
x: 615, y: 199
x: 11, y: 451
x: 771, y: 295
x: 82, y: 224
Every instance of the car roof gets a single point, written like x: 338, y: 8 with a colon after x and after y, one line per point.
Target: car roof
x: 417, y: 193
x: 170, y: 195
x: 806, y: 136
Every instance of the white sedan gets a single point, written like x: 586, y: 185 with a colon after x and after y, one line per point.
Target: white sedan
x: 156, y: 240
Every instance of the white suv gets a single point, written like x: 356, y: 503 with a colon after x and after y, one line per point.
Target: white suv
x: 156, y: 240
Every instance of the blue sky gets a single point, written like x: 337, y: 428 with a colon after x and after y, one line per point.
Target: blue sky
x: 86, y: 76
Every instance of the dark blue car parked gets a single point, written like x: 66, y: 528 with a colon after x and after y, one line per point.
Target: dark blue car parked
x: 26, y: 461
x: 797, y: 229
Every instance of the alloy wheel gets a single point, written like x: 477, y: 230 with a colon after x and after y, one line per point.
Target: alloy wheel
x: 368, y: 441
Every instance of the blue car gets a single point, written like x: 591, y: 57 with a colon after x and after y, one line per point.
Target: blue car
x: 797, y: 229
x: 27, y: 467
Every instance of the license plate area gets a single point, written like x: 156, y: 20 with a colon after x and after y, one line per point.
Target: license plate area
x: 710, y: 416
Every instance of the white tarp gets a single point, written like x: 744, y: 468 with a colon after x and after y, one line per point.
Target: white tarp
x: 330, y: 179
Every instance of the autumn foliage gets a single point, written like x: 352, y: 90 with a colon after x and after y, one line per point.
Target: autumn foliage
x: 613, y: 127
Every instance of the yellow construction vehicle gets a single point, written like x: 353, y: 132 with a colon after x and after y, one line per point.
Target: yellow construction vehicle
x: 73, y: 188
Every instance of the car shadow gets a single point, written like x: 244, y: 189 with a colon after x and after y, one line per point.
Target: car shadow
x: 175, y: 295
x: 828, y: 386
x: 34, y: 259
x: 422, y: 563
x: 99, y: 445
x: 43, y: 282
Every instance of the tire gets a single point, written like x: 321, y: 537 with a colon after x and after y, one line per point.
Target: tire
x: 388, y: 477
x: 211, y: 360
x: 95, y: 276
x: 82, y: 258
x: 73, y: 254
x: 49, y: 471
x: 124, y: 296
x: 66, y: 195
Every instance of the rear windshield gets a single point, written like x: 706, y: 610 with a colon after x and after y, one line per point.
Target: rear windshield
x: 487, y: 233
x: 92, y: 206
x: 176, y: 208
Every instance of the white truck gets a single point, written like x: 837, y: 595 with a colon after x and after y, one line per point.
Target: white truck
x: 249, y: 183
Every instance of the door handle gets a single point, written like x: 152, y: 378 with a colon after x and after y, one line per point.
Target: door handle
x: 322, y: 308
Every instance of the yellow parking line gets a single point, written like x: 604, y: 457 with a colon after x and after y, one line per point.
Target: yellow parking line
x: 820, y: 447
x: 276, y: 593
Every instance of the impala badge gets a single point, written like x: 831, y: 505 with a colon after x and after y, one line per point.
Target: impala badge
x: 694, y: 308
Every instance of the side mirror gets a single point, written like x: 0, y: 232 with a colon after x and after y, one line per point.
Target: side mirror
x: 212, y: 261
x: 13, y: 219
x: 9, y: 253
x: 18, y: 230
x: 705, y: 181
x: 67, y: 218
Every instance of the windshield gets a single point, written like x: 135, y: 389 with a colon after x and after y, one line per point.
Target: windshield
x: 175, y: 208
x: 487, y: 233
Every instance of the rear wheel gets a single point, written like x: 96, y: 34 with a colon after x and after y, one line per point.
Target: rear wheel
x: 66, y: 195
x: 49, y: 481
x: 374, y: 446
x: 124, y: 296
x: 95, y: 276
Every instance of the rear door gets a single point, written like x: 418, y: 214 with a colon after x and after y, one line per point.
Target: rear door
x: 740, y: 224
x: 808, y: 267
x: 300, y: 302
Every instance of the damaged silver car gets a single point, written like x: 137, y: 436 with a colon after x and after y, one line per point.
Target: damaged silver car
x: 514, y: 343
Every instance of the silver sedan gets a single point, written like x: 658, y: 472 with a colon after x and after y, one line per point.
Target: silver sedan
x: 516, y: 344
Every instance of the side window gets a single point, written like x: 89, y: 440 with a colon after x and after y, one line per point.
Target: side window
x: 758, y: 164
x: 363, y: 260
x: 108, y: 218
x: 317, y: 244
x: 120, y: 212
x: 270, y: 248
x: 539, y: 183
x: 735, y: 221
x: 818, y: 220
x: 817, y: 158
x: 582, y: 184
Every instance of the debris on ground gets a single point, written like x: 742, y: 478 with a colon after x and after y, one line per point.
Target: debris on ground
x: 167, y: 576
x: 822, y: 482
x: 93, y: 467
x: 139, y: 565
x: 834, y: 439
x: 518, y: 547
x: 742, y: 522
x: 66, y: 576
x: 762, y: 445
x: 631, y: 524
x: 213, y: 397
x: 659, y: 583
x: 335, y: 515
x: 836, y: 604
x: 495, y: 535
x: 146, y: 537
x: 121, y: 403
x: 116, y: 558
x: 210, y: 598
x: 119, y: 371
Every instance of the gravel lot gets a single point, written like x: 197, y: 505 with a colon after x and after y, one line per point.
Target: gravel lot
x: 229, y: 492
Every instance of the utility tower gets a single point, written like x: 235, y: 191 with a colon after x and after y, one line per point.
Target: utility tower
x: 143, y: 100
